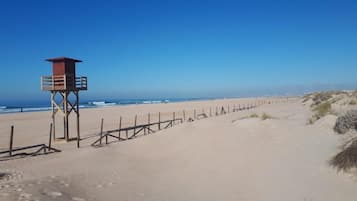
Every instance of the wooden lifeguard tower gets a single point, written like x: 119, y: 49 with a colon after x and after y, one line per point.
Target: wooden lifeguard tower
x: 64, y: 82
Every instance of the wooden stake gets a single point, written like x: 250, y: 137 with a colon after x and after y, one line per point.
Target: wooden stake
x: 173, y: 117
x: 101, y: 131
x: 184, y: 115
x: 210, y: 111
x: 136, y: 117
x: 194, y: 114
x: 119, y: 130
x: 50, y: 138
x: 64, y: 127
x: 159, y: 125
x: 149, y: 123
x: 11, y: 140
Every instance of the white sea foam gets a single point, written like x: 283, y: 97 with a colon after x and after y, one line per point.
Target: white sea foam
x: 101, y: 103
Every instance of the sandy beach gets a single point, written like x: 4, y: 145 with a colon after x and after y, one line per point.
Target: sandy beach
x: 227, y: 157
x: 178, y: 101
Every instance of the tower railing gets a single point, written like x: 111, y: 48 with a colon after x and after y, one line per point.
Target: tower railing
x: 63, y: 82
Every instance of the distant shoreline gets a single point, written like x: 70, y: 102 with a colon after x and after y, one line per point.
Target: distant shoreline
x: 4, y: 109
x: 8, y: 109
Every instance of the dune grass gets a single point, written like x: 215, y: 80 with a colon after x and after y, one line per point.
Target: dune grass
x: 254, y: 116
x: 353, y: 102
x: 3, y: 175
x: 322, y: 109
x: 321, y: 97
x: 265, y: 116
x: 347, y: 158
x: 346, y: 122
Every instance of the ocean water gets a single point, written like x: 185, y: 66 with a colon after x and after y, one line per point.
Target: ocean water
x: 36, y: 106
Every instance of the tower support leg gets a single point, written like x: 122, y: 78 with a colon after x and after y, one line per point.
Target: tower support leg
x: 77, y: 113
x: 53, y: 94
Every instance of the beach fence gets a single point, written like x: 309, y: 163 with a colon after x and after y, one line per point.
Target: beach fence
x: 31, y: 150
x: 154, y: 122
x: 135, y: 130
x: 130, y: 132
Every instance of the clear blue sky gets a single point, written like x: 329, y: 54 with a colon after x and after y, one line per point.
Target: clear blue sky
x: 145, y: 49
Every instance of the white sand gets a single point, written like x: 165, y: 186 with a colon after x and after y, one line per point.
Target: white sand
x: 219, y: 158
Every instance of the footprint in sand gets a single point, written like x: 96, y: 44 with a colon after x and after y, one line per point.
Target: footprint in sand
x: 4, y: 194
x: 64, y: 183
x: 78, y: 199
x: 53, y: 194
x: 25, y: 196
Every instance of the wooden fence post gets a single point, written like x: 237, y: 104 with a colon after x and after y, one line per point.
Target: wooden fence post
x: 119, y: 130
x: 173, y: 118
x: 11, y: 140
x: 184, y: 115
x: 149, y: 123
x: 136, y: 117
x: 101, y: 131
x: 50, y: 138
x: 159, y: 125
x: 194, y: 114
x: 210, y: 111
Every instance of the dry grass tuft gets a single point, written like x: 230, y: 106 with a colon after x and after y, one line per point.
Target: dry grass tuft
x: 312, y: 120
x: 353, y: 102
x: 322, y: 109
x: 3, y: 175
x: 266, y: 116
x: 321, y: 97
x: 347, y: 158
x: 254, y: 116
x: 307, y: 97
x: 346, y: 122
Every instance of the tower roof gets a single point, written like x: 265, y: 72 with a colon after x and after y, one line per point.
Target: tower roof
x: 59, y: 59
